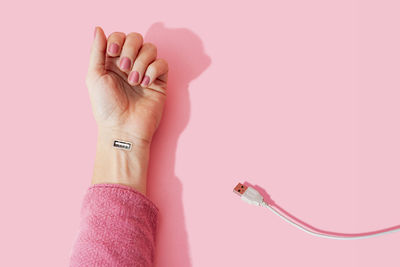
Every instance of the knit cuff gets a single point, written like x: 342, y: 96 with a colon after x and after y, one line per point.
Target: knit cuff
x: 121, y: 201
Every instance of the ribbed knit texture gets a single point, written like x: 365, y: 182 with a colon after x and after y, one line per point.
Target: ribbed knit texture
x: 118, y: 228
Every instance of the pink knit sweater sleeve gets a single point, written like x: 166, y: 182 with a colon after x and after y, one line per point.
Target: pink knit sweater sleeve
x: 118, y: 227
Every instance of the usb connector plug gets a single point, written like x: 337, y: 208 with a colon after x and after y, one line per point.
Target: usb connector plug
x: 249, y: 194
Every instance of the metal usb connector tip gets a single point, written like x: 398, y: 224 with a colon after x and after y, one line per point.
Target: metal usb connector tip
x: 240, y: 189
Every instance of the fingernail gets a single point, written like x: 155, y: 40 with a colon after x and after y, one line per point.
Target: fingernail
x: 113, y: 48
x: 146, y: 80
x: 133, y: 77
x: 125, y: 63
x: 95, y: 31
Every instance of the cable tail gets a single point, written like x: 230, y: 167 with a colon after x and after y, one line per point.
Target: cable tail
x: 253, y: 197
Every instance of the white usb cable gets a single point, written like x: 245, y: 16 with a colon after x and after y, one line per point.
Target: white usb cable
x: 253, y: 197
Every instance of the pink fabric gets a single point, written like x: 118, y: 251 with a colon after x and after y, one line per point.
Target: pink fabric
x: 117, y: 229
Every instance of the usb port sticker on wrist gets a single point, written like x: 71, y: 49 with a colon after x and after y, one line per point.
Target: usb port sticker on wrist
x: 122, y: 145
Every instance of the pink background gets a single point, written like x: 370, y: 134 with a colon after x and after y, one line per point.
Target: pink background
x: 298, y: 97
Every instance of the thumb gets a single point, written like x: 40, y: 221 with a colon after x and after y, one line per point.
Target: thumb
x: 97, y: 54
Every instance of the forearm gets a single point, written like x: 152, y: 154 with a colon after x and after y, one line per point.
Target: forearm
x: 118, y: 221
x: 118, y: 166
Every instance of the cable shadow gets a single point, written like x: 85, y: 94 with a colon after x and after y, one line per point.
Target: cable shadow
x: 268, y: 200
x: 185, y: 54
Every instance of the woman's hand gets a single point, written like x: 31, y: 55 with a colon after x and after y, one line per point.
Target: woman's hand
x: 127, y: 88
x: 127, y: 84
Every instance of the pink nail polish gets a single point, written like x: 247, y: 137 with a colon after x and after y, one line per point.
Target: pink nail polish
x: 125, y: 63
x: 146, y: 80
x: 113, y: 48
x: 133, y: 77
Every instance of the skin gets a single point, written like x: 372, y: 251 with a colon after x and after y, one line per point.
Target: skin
x: 123, y: 109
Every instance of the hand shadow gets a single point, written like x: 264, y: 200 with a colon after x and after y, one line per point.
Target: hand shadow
x: 186, y: 58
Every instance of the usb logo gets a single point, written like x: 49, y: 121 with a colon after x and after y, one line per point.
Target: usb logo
x: 122, y: 145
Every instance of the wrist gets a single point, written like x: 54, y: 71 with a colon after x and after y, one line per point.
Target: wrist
x: 118, y: 165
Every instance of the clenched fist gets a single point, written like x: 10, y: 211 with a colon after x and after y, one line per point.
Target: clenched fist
x: 127, y: 84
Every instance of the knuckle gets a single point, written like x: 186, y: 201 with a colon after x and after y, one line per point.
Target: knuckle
x: 135, y: 36
x: 151, y: 69
x: 164, y: 62
x: 150, y: 47
x: 139, y: 63
x: 116, y: 36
